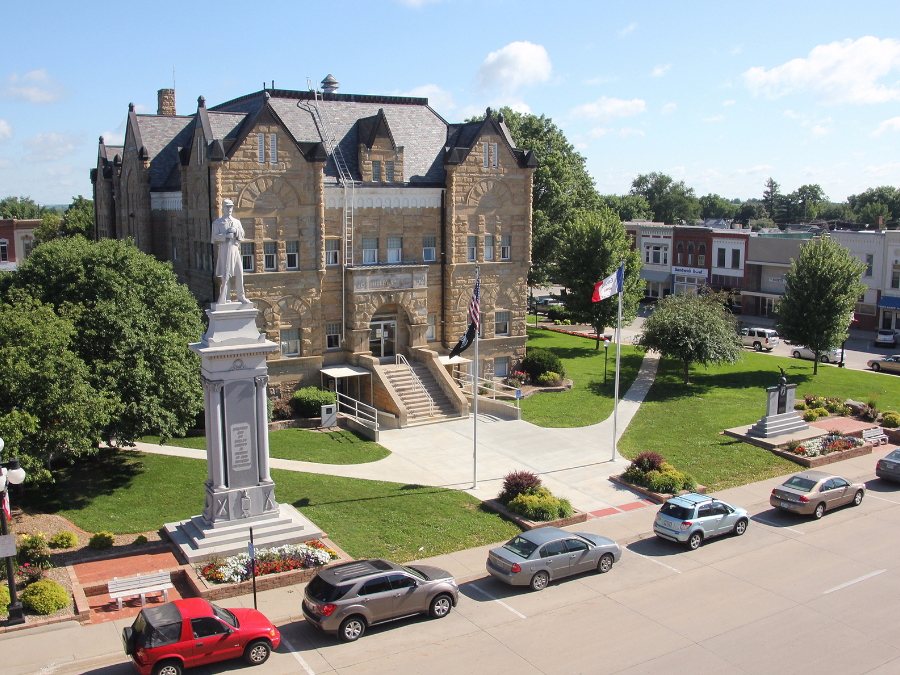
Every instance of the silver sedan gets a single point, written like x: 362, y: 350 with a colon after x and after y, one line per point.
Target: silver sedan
x: 831, y: 356
x: 536, y: 557
x: 890, y: 364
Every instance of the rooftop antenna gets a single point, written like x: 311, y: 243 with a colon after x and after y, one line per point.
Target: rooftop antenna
x: 173, y: 77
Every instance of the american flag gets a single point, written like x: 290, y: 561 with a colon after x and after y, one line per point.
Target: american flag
x: 475, y: 305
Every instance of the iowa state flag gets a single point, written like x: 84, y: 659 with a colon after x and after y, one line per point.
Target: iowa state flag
x: 611, y: 285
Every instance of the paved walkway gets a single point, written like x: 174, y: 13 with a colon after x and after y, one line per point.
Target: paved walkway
x: 574, y: 463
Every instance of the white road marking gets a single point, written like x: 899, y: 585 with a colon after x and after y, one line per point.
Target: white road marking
x: 297, y: 656
x: 855, y: 581
x: 497, y: 600
x: 771, y: 524
x: 645, y: 557
x: 869, y: 494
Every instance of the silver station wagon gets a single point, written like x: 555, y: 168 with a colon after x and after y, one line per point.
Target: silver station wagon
x: 536, y: 557
x: 691, y: 518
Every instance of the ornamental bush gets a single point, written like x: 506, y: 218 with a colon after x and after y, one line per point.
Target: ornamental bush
x: 32, y: 553
x: 45, y: 597
x: 558, y: 315
x: 822, y: 412
x: 810, y: 416
x: 890, y: 419
x: 516, y: 483
x: 102, y: 541
x: 868, y: 412
x: 800, y: 405
x: 64, y: 540
x: 648, y: 461
x: 308, y: 401
x: 539, y: 361
x: 4, y: 599
x: 140, y: 540
x: 549, y: 379
x: 539, y: 504
x: 282, y: 410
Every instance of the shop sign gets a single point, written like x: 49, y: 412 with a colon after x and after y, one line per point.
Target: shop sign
x: 690, y: 271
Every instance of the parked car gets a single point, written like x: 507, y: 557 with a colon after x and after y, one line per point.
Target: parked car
x: 166, y: 639
x: 833, y: 355
x: 537, y: 557
x: 759, y: 338
x: 347, y: 599
x: 889, y: 364
x: 692, y: 518
x: 886, y: 338
x: 814, y: 492
x: 888, y: 467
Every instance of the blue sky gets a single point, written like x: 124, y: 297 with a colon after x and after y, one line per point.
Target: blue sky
x: 721, y: 95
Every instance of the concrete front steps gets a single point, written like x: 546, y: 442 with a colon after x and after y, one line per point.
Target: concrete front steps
x: 415, y: 400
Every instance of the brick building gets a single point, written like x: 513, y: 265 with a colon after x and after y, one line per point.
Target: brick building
x: 365, y: 218
x: 16, y: 241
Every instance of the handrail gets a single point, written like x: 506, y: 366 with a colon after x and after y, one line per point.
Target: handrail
x: 362, y: 412
x: 466, y: 382
x: 401, y: 360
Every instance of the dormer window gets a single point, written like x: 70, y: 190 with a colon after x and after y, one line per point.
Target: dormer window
x: 376, y: 171
x: 389, y: 172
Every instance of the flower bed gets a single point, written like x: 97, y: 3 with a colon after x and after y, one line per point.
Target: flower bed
x: 825, y: 445
x: 590, y: 336
x: 238, y: 568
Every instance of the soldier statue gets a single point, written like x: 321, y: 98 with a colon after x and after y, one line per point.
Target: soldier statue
x: 228, y: 233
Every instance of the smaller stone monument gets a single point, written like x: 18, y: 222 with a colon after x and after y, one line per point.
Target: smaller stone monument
x: 780, y: 417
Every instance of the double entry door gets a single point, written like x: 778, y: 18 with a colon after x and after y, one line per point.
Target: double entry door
x: 383, y: 337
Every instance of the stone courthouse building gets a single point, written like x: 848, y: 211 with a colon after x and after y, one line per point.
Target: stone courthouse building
x: 365, y: 217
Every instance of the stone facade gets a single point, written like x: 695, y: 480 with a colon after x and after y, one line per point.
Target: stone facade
x: 440, y: 200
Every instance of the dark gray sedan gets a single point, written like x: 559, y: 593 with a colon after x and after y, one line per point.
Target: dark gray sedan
x: 889, y: 467
x: 536, y: 557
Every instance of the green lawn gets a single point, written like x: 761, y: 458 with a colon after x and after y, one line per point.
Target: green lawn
x: 683, y: 423
x: 332, y: 447
x: 589, y: 401
x: 129, y: 492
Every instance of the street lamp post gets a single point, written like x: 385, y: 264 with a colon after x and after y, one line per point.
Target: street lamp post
x: 10, y: 472
x: 605, y: 359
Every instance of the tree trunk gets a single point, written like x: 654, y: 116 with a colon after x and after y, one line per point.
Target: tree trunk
x: 816, y: 364
x: 687, y: 372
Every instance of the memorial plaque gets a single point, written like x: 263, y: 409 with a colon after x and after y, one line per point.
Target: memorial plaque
x: 241, y: 435
x: 241, y: 459
x: 7, y: 546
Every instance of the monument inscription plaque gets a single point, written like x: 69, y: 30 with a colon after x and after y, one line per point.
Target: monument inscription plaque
x: 240, y: 447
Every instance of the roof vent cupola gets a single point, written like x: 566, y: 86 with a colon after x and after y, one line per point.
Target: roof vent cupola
x: 330, y: 84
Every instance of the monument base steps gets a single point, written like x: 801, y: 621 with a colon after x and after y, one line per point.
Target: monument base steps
x: 197, y: 541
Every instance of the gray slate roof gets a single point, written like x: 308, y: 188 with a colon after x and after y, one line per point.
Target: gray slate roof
x: 162, y: 136
x: 112, y: 151
x: 225, y: 126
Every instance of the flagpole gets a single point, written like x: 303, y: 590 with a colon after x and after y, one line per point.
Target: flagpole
x: 618, y: 361
x: 477, y: 321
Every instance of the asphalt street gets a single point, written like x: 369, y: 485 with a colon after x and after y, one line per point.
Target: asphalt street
x: 791, y: 595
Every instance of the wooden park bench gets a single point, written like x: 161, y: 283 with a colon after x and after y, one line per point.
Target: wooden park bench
x: 140, y: 585
x: 875, y: 436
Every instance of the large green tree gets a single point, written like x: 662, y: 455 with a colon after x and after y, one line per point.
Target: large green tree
x: 693, y: 329
x: 48, y: 405
x: 752, y: 209
x: 594, y: 246
x: 132, y: 322
x: 562, y: 185
x: 714, y: 206
x: 21, y: 208
x: 887, y: 195
x: 810, y: 199
x: 821, y: 290
x: 671, y: 201
x: 628, y: 207
x: 77, y: 219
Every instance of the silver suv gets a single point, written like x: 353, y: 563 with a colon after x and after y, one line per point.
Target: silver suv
x: 690, y: 518
x: 346, y: 599
x: 759, y: 338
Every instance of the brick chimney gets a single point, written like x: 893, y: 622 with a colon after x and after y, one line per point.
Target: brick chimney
x: 166, y: 105
x: 879, y: 222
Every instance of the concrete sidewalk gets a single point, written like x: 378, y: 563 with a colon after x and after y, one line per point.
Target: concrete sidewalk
x: 574, y: 463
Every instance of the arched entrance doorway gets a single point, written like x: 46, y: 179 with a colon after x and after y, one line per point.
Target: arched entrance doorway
x: 383, y: 332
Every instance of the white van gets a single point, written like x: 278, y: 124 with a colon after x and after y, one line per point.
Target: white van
x: 759, y: 338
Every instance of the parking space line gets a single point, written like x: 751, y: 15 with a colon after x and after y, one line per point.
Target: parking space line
x: 299, y: 658
x: 497, y: 600
x: 855, y: 581
x: 771, y: 524
x: 869, y: 494
x: 646, y: 557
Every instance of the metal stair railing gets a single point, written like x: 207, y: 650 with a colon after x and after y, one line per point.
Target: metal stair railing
x: 362, y: 412
x: 486, y: 388
x: 417, y: 383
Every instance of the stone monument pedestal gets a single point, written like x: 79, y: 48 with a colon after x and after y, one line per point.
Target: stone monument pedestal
x: 780, y: 417
x: 240, y: 493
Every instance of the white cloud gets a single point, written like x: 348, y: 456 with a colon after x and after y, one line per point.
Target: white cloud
x: 6, y: 163
x: 606, y: 109
x: 891, y: 168
x: 518, y: 64
x: 34, y: 87
x: 518, y: 106
x: 6, y: 131
x: 728, y: 103
x: 714, y: 118
x: 792, y: 115
x: 892, y: 124
x: 601, y: 79
x: 759, y: 168
x: 736, y: 49
x: 679, y: 170
x: 820, y: 130
x: 669, y: 108
x: 659, y: 71
x: 628, y: 29
x: 438, y: 98
x: 47, y: 147
x: 839, y: 72
x: 628, y: 131
x: 597, y: 132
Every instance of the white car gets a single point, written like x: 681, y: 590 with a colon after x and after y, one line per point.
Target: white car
x: 831, y: 356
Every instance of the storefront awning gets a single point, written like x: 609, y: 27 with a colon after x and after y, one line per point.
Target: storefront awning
x: 889, y: 302
x: 455, y: 361
x: 337, y: 372
x: 655, y: 275
x: 757, y: 294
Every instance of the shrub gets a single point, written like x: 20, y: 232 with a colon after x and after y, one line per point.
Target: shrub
x: 536, y: 504
x: 281, y: 410
x: 558, y: 315
x: 308, y: 401
x: 64, y: 540
x: 822, y: 412
x: 648, y: 461
x: 565, y: 508
x: 800, y: 405
x: 45, y: 597
x: 810, y: 416
x: 868, y: 412
x: 549, y: 379
x: 102, y: 541
x: 834, y: 405
x: 516, y: 483
x: 4, y: 599
x: 890, y: 419
x: 33, y: 556
x: 140, y: 540
x: 540, y: 361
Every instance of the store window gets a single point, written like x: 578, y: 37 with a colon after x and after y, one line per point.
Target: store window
x: 735, y: 258
x: 290, y: 342
x: 679, y: 253
x: 720, y: 257
x: 4, y: 250
x: 701, y: 255
x: 895, y: 276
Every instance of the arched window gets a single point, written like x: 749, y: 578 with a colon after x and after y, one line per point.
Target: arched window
x: 690, y: 253
x: 679, y: 248
x: 701, y: 255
